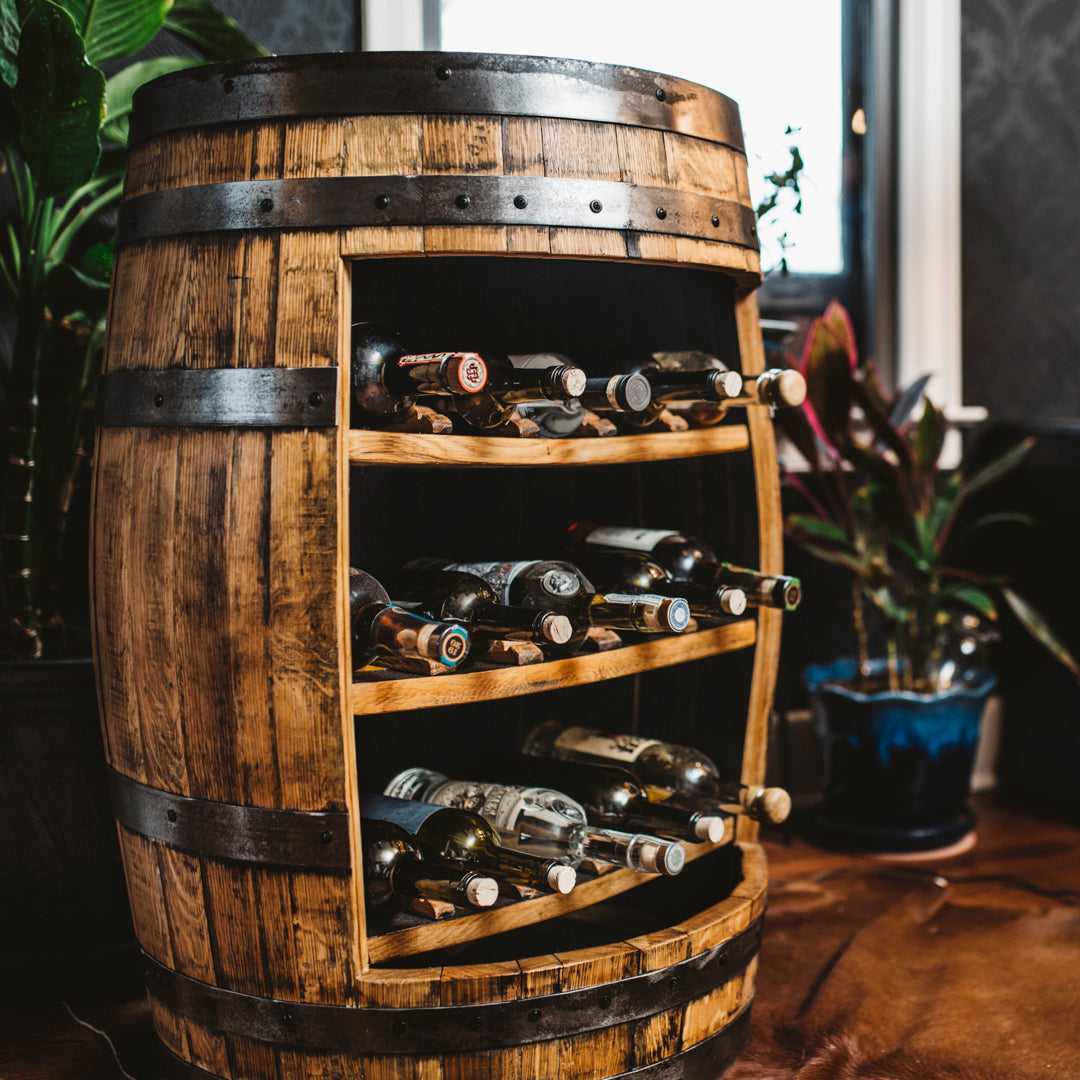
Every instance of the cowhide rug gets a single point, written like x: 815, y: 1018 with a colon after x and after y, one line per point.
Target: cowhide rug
x: 893, y: 974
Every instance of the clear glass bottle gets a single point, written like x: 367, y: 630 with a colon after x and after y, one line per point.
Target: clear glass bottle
x: 541, y: 821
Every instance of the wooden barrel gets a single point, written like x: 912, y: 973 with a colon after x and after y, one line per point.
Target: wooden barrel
x: 220, y: 547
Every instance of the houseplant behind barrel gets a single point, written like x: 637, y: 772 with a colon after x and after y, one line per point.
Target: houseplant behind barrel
x: 898, y: 723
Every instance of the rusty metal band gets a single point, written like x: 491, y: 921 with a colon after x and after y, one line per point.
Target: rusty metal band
x: 412, y: 83
x: 219, y: 397
x: 248, y: 834
x: 705, y: 1060
x: 339, y: 202
x: 451, y: 1028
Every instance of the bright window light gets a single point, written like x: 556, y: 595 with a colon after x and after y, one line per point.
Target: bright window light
x: 780, y: 61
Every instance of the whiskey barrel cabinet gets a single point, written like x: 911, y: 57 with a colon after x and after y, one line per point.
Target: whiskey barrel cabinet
x: 267, y: 204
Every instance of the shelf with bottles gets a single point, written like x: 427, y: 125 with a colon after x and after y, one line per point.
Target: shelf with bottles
x: 406, y: 935
x: 394, y: 448
x: 381, y: 690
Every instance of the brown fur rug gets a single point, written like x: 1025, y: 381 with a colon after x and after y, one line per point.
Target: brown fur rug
x: 895, y: 974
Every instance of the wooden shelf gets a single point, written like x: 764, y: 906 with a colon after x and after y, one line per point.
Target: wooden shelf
x: 394, y: 692
x: 389, y: 448
x: 512, y: 915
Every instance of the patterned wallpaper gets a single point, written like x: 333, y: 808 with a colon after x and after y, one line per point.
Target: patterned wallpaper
x: 1021, y: 220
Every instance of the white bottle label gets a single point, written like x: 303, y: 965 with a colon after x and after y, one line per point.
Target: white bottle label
x: 636, y: 598
x: 628, y: 538
x: 499, y: 575
x: 626, y: 748
x: 500, y: 804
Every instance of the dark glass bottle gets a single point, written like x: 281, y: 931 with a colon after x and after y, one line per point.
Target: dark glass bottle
x: 386, y: 377
x: 602, y: 393
x: 610, y: 795
x: 380, y: 626
x: 685, y: 558
x: 636, y: 573
x: 508, y: 387
x: 395, y: 871
x: 542, y: 821
x: 666, y: 771
x: 467, y: 840
x: 469, y: 599
x: 762, y: 590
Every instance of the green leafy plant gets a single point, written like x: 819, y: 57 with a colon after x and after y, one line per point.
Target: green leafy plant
x: 885, y: 511
x: 63, y: 129
x: 784, y: 197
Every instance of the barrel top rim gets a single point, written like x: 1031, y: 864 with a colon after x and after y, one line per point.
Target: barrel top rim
x: 172, y: 100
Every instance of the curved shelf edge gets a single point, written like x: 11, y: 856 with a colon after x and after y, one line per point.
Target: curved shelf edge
x: 427, y: 692
x: 721, y: 919
x: 392, y: 448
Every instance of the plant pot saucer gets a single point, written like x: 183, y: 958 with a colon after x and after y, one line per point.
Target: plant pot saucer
x: 934, y: 841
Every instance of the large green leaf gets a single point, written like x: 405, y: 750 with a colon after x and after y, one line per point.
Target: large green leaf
x: 114, y: 29
x: 60, y: 98
x: 120, y: 88
x: 928, y: 436
x: 974, y: 598
x: 1040, y: 629
x: 821, y: 530
x: 210, y: 32
x: 944, y: 510
x: 826, y: 366
x: 9, y: 42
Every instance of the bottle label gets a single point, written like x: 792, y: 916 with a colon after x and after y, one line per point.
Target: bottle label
x: 613, y: 747
x: 408, y: 814
x: 636, y: 598
x: 627, y: 538
x: 499, y: 575
x: 500, y: 804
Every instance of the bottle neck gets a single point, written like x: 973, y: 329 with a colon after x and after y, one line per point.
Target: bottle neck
x: 434, y: 880
x: 440, y: 374
x: 646, y: 854
x: 646, y: 612
x: 521, y: 386
x: 388, y: 627
x: 669, y: 386
x: 510, y: 618
x: 666, y: 819
x: 620, y: 393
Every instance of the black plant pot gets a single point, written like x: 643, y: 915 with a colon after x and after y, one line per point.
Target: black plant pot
x: 63, y: 902
x: 896, y: 765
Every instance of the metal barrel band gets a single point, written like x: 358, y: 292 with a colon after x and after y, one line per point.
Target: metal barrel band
x: 337, y: 202
x: 705, y: 1060
x: 220, y: 397
x: 420, y: 83
x: 444, y: 1029
x: 248, y: 834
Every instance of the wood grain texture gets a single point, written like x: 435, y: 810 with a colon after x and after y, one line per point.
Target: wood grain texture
x: 390, y: 448
x: 426, y: 693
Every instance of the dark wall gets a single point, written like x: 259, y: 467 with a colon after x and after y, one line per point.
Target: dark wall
x: 1021, y: 229
x: 297, y: 26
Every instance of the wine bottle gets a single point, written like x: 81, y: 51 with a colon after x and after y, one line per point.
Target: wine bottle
x: 551, y: 584
x: 611, y: 797
x: 776, y: 387
x: 762, y: 590
x: 601, y: 393
x: 386, y: 378
x: 469, y: 599
x: 671, y: 385
x: 507, y: 387
x: 666, y: 771
x: 465, y: 839
x: 637, y: 573
x: 541, y: 821
x: 379, y: 626
x: 395, y: 871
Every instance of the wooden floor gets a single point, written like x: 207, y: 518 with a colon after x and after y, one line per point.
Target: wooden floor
x: 1019, y: 858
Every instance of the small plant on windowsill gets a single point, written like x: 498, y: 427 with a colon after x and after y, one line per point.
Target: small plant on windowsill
x: 886, y: 512
x: 784, y: 198
x: 63, y: 130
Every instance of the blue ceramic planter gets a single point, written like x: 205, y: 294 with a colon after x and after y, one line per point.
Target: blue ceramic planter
x: 896, y: 765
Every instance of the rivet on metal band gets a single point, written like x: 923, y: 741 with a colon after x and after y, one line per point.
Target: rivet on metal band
x: 248, y: 834
x: 496, y: 1025
x: 419, y: 83
x: 219, y: 397
x: 705, y: 1060
x: 335, y: 202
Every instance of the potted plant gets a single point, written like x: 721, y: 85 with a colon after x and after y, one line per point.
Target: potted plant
x: 63, y: 128
x: 898, y: 722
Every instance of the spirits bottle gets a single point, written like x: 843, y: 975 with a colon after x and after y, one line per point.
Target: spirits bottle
x: 666, y: 771
x: 380, y: 626
x: 386, y: 377
x: 464, y: 839
x: 610, y: 796
x: 637, y: 573
x: 396, y: 872
x: 541, y: 821
x: 602, y: 393
x: 470, y: 600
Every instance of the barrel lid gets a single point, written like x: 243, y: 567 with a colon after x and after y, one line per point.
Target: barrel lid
x: 385, y: 83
